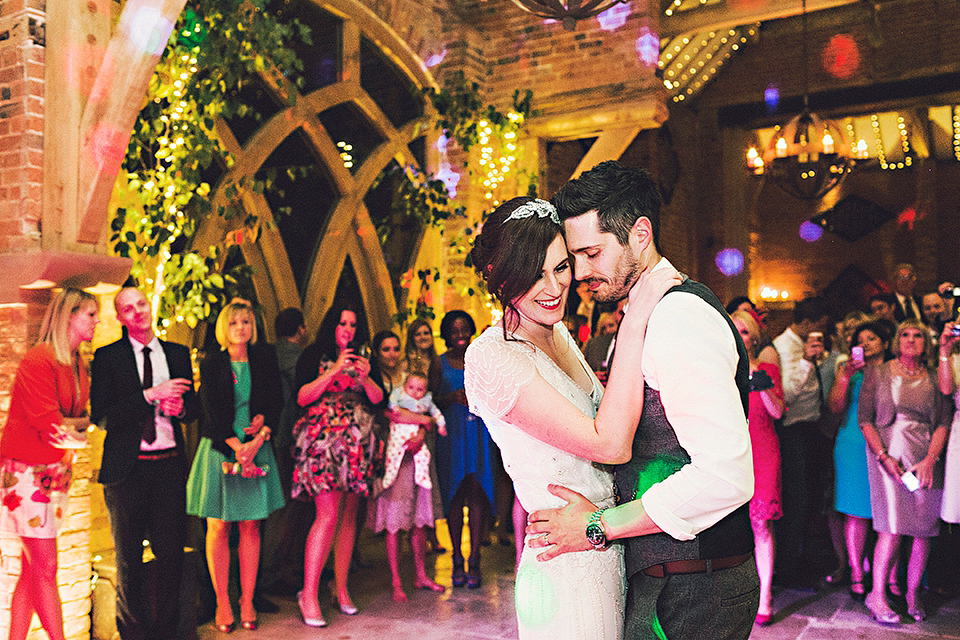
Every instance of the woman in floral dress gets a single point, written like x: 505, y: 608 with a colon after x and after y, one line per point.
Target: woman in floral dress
x: 333, y: 448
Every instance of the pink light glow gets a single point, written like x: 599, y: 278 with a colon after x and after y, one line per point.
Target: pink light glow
x: 149, y: 30
x: 841, y: 56
x: 108, y: 146
x: 648, y: 47
x: 450, y: 178
x: 435, y: 59
x: 614, y: 17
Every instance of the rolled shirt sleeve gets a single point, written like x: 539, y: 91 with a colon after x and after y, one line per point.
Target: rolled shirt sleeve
x: 690, y: 357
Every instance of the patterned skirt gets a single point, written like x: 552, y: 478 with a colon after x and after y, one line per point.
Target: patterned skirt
x: 333, y: 446
x: 34, y: 497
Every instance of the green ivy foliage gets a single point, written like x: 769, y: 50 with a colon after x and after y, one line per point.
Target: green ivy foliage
x: 164, y: 190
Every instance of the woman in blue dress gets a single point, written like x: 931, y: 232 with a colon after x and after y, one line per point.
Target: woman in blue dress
x: 234, y: 474
x: 852, y: 489
x: 465, y: 456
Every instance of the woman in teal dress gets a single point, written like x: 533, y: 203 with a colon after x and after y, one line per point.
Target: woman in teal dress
x: 234, y: 475
x: 852, y: 488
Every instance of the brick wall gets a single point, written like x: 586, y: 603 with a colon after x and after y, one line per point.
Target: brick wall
x: 22, y: 41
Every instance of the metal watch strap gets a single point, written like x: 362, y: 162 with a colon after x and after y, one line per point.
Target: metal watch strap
x: 595, y: 529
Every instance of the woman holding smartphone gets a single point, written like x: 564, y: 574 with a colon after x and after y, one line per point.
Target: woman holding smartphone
x: 905, y: 421
x: 333, y: 450
x: 851, y: 488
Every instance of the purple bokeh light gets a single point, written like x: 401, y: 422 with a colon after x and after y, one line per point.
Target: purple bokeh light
x: 450, y: 178
x: 771, y: 96
x: 730, y: 262
x: 810, y: 232
x: 648, y: 47
x: 435, y: 59
x: 614, y: 17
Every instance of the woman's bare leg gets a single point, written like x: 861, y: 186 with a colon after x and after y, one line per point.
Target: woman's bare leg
x: 343, y: 547
x: 319, y: 542
x: 393, y: 551
x: 248, y: 552
x: 37, y: 590
x: 919, y: 554
x: 418, y: 541
x: 218, y: 560
x: 887, y: 546
x: 764, y: 550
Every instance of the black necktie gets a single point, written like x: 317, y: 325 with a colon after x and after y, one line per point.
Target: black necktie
x: 149, y: 425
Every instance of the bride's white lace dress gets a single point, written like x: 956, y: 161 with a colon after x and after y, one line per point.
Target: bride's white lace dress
x: 575, y: 595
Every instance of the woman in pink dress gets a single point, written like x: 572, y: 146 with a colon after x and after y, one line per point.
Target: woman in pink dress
x: 766, y: 405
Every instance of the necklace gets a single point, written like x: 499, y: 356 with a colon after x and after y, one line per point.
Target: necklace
x: 908, y: 371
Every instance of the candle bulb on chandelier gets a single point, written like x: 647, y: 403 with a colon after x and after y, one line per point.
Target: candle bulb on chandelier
x: 827, y: 142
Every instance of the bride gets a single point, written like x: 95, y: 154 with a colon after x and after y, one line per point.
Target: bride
x: 529, y: 362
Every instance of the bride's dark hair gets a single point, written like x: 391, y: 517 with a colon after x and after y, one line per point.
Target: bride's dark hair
x: 509, y: 253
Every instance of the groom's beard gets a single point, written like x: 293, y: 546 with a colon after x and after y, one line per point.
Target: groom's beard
x: 625, y: 275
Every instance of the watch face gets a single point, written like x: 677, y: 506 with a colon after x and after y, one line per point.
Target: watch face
x: 595, y: 534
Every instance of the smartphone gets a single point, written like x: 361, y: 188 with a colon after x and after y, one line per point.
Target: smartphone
x: 955, y: 330
x: 910, y: 481
x: 856, y: 354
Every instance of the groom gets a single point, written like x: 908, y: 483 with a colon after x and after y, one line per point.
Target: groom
x: 682, y: 497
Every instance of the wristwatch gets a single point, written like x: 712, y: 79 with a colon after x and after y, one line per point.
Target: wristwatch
x: 596, y: 535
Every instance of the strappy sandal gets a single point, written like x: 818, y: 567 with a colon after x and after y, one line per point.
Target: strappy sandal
x: 459, y: 576
x: 858, y: 596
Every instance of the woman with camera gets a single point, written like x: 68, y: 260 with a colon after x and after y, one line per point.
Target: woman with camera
x: 333, y: 447
x: 905, y: 421
x: 765, y: 406
x: 851, y: 487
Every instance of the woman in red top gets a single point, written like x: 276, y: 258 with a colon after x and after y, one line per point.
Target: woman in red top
x: 48, y: 410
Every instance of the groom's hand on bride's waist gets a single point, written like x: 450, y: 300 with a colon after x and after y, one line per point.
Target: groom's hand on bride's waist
x: 563, y: 529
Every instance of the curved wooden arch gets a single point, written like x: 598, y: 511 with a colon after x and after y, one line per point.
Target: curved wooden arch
x: 350, y: 230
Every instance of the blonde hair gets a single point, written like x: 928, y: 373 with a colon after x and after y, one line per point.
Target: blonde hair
x: 913, y: 323
x: 55, y: 327
x: 223, y: 321
x: 752, y: 328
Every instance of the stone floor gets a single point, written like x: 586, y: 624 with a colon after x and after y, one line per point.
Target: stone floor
x: 487, y: 613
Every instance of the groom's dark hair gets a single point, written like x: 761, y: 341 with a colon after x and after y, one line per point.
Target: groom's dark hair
x: 620, y: 195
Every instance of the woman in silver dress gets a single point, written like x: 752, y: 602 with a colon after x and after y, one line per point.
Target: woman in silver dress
x: 905, y: 421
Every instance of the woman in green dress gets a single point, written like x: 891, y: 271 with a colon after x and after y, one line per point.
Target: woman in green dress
x: 234, y: 475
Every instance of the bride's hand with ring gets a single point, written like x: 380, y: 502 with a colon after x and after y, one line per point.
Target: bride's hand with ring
x: 563, y: 529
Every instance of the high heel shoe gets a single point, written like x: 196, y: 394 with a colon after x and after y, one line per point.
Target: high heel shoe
x: 348, y: 609
x: 858, y: 595
x: 310, y: 621
x: 224, y: 627
x: 917, y: 613
x: 249, y: 625
x: 888, y: 618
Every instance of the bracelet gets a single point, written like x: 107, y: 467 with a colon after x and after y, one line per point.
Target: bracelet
x: 265, y: 436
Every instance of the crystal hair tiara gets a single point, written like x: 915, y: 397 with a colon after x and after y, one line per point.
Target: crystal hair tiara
x: 542, y: 208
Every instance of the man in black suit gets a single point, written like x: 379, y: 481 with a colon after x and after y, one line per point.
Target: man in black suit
x: 141, y: 391
x: 908, y: 304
